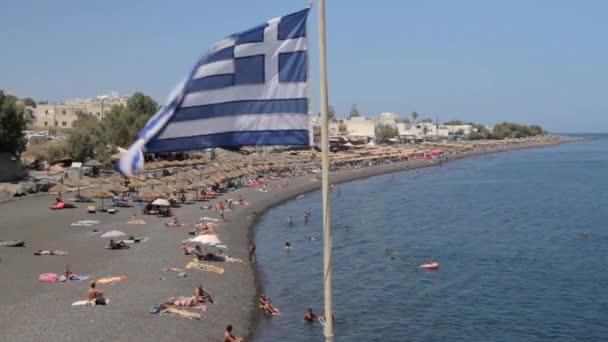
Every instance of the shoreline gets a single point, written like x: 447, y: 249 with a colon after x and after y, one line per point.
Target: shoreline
x: 236, y: 290
x: 343, y: 176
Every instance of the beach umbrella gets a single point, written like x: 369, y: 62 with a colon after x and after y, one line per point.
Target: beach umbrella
x: 167, y: 179
x: 118, y: 188
x: 147, y: 195
x: 93, y: 163
x: 183, y: 187
x: 112, y: 234
x: 58, y: 189
x: 167, y: 189
x: 210, y: 240
x: 101, y: 194
x: 116, y: 179
x: 136, y: 184
x: 100, y: 181
x: 78, y: 184
x: 161, y: 202
x: 152, y: 182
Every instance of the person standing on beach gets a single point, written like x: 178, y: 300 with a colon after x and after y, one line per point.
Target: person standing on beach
x: 290, y: 220
x: 228, y: 337
x: 222, y: 214
x: 252, y: 253
x: 306, y: 216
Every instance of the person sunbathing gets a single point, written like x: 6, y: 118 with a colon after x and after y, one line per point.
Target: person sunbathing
x: 188, y: 250
x: 69, y: 275
x: 173, y: 310
x: 183, y: 301
x: 202, y: 294
x: 228, y: 337
x: 175, y: 222
x: 118, y: 245
x: 241, y: 200
x: 135, y: 219
x: 228, y: 258
x: 46, y: 252
x: 95, y: 296
x: 310, y: 316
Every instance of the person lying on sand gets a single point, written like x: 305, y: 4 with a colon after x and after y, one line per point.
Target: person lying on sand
x: 188, y: 250
x: 69, y: 275
x: 175, y: 222
x: 173, y: 310
x: 95, y: 296
x: 183, y: 301
x: 228, y: 258
x: 202, y: 294
x: 228, y: 337
x: 136, y: 220
x: 117, y: 245
x: 310, y: 316
x: 46, y: 252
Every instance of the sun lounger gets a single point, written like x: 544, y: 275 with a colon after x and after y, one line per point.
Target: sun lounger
x: 91, y: 209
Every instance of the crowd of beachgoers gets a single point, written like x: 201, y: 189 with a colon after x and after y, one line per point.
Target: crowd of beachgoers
x: 165, y: 188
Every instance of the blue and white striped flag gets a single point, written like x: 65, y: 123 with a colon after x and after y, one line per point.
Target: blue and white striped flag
x: 250, y: 89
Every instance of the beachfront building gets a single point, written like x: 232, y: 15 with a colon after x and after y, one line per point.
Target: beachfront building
x: 64, y: 114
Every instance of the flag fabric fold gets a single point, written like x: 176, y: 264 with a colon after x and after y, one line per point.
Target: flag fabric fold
x: 251, y: 88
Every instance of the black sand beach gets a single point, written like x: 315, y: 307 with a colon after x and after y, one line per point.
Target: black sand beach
x: 31, y: 310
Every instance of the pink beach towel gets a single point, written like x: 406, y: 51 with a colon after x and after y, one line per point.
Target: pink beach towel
x: 49, y: 277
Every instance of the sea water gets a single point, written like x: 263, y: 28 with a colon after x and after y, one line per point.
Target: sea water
x: 505, y: 228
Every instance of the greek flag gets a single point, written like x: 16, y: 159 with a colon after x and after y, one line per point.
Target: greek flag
x: 251, y: 88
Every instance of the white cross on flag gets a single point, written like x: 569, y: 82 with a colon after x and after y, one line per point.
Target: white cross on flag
x: 249, y: 89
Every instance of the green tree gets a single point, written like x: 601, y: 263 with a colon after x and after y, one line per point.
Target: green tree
x: 142, y: 105
x: 428, y: 120
x: 29, y: 102
x: 414, y: 116
x: 454, y: 123
x: 121, y: 123
x: 88, y: 139
x: 403, y: 120
x: 386, y: 132
x: 354, y: 112
x: 12, y: 125
x: 331, y: 112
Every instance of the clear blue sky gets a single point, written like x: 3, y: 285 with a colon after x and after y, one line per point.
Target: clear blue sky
x: 542, y: 62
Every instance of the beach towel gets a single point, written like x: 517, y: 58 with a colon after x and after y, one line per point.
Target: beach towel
x: 86, y: 223
x: 81, y: 303
x: 136, y: 222
x: 221, y: 246
x: 210, y: 240
x: 209, y: 219
x: 111, y: 280
x: 12, y: 243
x: 204, y: 267
x: 112, y: 234
x: 173, y: 311
x: 48, y: 277
x: 93, y: 302
x: 63, y: 279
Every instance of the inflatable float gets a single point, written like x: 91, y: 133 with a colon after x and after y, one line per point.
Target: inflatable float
x: 430, y: 266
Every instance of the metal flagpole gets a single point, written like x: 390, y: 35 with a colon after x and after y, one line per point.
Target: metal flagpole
x: 327, y: 281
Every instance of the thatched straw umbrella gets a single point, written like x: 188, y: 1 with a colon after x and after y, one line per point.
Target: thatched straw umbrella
x: 78, y: 184
x: 136, y: 184
x: 100, y: 181
x: 167, y: 189
x: 168, y: 179
x: 58, y: 189
x: 101, y: 194
x: 147, y: 195
x: 116, y: 179
x: 118, y: 188
x: 152, y: 182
